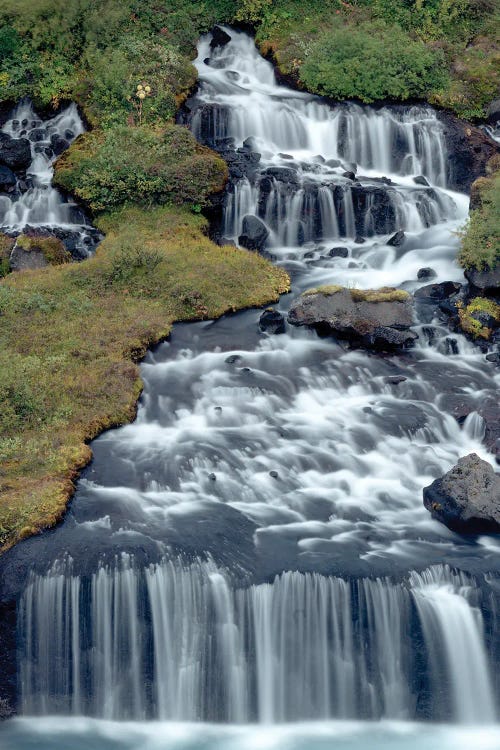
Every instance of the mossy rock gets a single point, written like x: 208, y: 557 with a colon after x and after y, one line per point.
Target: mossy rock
x: 385, y: 294
x: 480, y: 317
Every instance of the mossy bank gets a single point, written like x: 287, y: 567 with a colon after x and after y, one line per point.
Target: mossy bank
x: 71, y: 336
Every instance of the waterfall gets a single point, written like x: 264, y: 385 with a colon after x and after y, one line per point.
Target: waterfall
x: 180, y: 642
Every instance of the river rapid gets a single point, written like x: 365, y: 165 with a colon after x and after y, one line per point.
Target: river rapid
x: 253, y: 549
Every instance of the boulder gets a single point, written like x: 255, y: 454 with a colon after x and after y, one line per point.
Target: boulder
x: 338, y: 252
x: 377, y: 319
x: 486, y: 282
x: 282, y: 174
x: 272, y: 321
x: 437, y: 292
x: 219, y: 38
x: 468, y: 151
x: 421, y: 180
x: 426, y: 273
x: 397, y: 239
x: 467, y: 498
x: 8, y: 179
x: 254, y: 233
x: 58, y: 143
x: 27, y: 260
x: 15, y: 153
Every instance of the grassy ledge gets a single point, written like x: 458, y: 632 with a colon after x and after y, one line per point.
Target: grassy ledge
x: 71, y: 335
x: 385, y: 294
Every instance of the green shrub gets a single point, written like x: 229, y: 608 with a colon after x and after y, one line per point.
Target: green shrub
x: 481, y: 238
x: 371, y: 62
x: 140, y: 165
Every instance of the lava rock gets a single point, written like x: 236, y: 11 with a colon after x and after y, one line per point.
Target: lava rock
x: 254, y: 233
x: 397, y: 239
x: 219, y: 38
x: 38, y: 134
x: 15, y: 153
x: 383, y: 325
x: 272, y: 321
x: 421, y: 180
x: 467, y: 498
x: 426, y: 273
x: 338, y: 252
x: 437, y: 292
x: 58, y: 143
x: 468, y: 149
x: 487, y: 282
x: 8, y: 179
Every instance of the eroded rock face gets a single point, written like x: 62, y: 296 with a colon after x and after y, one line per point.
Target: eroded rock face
x: 467, y: 498
x: 376, y: 319
x: 469, y: 150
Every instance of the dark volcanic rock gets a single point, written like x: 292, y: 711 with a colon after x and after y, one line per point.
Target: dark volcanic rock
x: 272, y: 321
x: 58, y: 143
x: 219, y: 37
x: 487, y: 282
x: 437, y: 292
x: 15, y: 153
x: 426, y: 273
x: 494, y: 112
x: 421, y: 180
x: 397, y: 239
x: 8, y: 179
x: 338, y: 252
x: 254, y: 233
x: 469, y: 149
x: 467, y: 498
x: 27, y: 260
x: 381, y: 325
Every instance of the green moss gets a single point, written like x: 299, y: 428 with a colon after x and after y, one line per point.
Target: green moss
x: 6, y: 245
x: 385, y: 294
x: 52, y: 248
x: 70, y: 335
x: 480, y: 247
x: 470, y: 324
x: 140, y: 165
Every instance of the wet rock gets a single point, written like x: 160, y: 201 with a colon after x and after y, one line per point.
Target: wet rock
x: 274, y: 474
x: 219, y: 38
x: 493, y: 357
x: 338, y: 252
x: 397, y: 239
x: 333, y: 163
x: 285, y: 156
x: 272, y: 321
x: 426, y: 273
x: 233, y: 359
x: 68, y: 134
x: 15, y: 153
x: 8, y: 179
x: 486, y: 282
x: 467, y: 498
x: 378, y: 319
x: 494, y: 112
x: 349, y: 175
x: 395, y: 379
x: 254, y: 233
x: 38, y: 134
x: 437, y: 292
x: 421, y: 180
x: 468, y: 151
x: 212, y: 477
x: 58, y: 143
x: 282, y: 174
x: 359, y: 240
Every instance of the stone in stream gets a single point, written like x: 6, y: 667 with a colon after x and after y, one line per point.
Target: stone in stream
x: 254, y: 233
x: 467, y: 498
x: 397, y: 239
x: 272, y: 321
x: 426, y: 273
x: 374, y: 318
x: 8, y: 179
x: 219, y: 38
x: 338, y: 252
x: 437, y: 292
x: 15, y: 153
x: 421, y: 180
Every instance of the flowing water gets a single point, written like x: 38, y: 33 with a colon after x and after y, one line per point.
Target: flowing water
x: 254, y: 547
x: 35, y: 203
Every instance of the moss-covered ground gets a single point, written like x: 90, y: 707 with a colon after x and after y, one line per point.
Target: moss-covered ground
x: 71, y: 335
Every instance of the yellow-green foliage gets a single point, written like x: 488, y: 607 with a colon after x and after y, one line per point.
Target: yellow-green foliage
x: 385, y: 294
x: 52, y: 248
x: 6, y: 245
x: 142, y: 165
x: 470, y: 324
x: 70, y: 335
x: 481, y: 239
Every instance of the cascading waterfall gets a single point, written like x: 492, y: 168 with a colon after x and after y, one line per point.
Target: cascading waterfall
x: 177, y: 641
x: 254, y: 547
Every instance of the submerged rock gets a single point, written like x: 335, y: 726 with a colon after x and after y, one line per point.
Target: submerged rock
x: 378, y: 319
x: 254, y: 233
x: 272, y: 321
x: 467, y: 498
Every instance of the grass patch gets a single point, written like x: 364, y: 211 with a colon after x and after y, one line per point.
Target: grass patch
x: 385, y: 294
x: 59, y: 389
x: 480, y: 247
x: 6, y: 245
x: 470, y: 317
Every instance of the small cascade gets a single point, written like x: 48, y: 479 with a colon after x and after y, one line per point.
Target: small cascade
x: 179, y: 642
x: 33, y: 205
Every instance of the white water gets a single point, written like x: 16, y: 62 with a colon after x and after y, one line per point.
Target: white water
x: 36, y: 203
x: 286, y: 453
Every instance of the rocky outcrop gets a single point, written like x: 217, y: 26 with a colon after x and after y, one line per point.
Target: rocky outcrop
x: 377, y: 319
x: 469, y: 150
x: 15, y: 153
x: 484, y: 282
x: 467, y: 498
x: 254, y: 233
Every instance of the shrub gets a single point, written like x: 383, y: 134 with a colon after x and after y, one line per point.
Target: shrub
x: 481, y: 238
x: 371, y: 62
x: 140, y: 165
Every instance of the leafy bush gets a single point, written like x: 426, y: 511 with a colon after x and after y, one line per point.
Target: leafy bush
x: 481, y: 239
x: 140, y: 165
x: 371, y: 62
